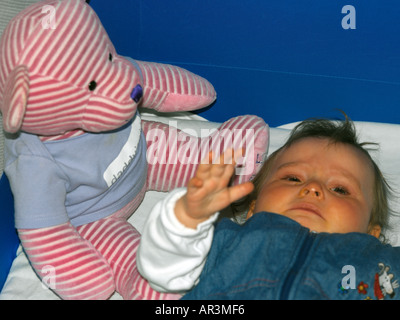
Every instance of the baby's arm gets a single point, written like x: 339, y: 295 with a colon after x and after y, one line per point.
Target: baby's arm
x: 173, y: 250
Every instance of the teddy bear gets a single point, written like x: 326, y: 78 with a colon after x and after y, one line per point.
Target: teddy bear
x: 76, y: 146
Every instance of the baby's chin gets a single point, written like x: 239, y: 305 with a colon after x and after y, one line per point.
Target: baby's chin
x: 311, y: 222
x: 316, y: 223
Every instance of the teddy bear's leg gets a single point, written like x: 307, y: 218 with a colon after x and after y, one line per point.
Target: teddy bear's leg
x: 67, y: 263
x: 173, y: 155
x: 118, y: 241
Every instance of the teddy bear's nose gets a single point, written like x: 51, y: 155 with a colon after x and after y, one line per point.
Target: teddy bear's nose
x: 137, y: 93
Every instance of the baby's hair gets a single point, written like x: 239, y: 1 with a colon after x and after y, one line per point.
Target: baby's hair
x: 337, y: 132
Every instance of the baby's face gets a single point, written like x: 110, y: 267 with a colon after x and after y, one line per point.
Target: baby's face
x: 324, y: 187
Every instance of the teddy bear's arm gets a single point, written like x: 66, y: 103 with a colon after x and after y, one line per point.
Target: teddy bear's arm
x: 169, y: 88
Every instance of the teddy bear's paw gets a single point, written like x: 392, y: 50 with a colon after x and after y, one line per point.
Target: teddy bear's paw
x: 248, y: 137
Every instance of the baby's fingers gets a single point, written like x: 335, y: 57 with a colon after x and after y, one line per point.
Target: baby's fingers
x: 195, y: 183
x: 239, y: 191
x: 223, y: 173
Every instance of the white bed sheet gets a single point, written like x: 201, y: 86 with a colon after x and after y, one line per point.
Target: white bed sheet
x: 23, y: 284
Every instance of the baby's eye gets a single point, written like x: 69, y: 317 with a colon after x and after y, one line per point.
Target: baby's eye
x: 341, y: 190
x: 292, y: 178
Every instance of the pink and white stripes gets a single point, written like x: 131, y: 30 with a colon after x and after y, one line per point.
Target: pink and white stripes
x: 77, y: 270
x: 76, y: 78
x: 173, y: 155
x: 170, y: 88
x: 16, y: 93
x: 89, y: 262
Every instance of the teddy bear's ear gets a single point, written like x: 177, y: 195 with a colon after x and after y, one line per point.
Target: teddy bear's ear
x: 16, y: 92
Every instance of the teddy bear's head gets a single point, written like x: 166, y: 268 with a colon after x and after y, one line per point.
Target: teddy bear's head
x: 59, y: 71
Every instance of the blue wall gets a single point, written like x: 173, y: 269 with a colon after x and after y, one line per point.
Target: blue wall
x: 8, y: 236
x: 282, y: 59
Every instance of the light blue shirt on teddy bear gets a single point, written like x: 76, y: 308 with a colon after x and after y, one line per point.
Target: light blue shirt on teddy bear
x: 80, y: 179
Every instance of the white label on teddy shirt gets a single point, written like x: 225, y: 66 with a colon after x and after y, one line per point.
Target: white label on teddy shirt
x: 125, y: 157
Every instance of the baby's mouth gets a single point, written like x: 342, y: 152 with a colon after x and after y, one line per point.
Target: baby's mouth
x: 307, y: 207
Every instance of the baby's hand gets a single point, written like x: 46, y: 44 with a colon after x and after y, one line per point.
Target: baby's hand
x: 208, y: 191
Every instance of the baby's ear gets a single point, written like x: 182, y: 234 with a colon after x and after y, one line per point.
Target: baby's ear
x: 374, y: 230
x: 251, y: 209
x: 16, y: 92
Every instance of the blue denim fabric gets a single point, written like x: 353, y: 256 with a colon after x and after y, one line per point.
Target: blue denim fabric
x: 274, y: 257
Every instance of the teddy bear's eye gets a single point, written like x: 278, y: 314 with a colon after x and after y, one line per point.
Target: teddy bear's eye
x: 92, y: 85
x: 110, y: 57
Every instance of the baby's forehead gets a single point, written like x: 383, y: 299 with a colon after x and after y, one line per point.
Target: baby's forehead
x: 319, y: 146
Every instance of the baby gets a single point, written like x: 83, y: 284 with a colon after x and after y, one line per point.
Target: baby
x: 317, y: 206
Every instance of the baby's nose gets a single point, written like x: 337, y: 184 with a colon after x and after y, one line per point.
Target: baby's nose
x: 311, y: 190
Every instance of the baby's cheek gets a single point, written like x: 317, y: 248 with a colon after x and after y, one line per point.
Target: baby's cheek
x: 351, y: 220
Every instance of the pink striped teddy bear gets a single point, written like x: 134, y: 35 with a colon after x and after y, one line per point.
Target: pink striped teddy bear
x: 76, y: 146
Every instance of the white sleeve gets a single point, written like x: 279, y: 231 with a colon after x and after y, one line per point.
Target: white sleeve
x: 172, y: 256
